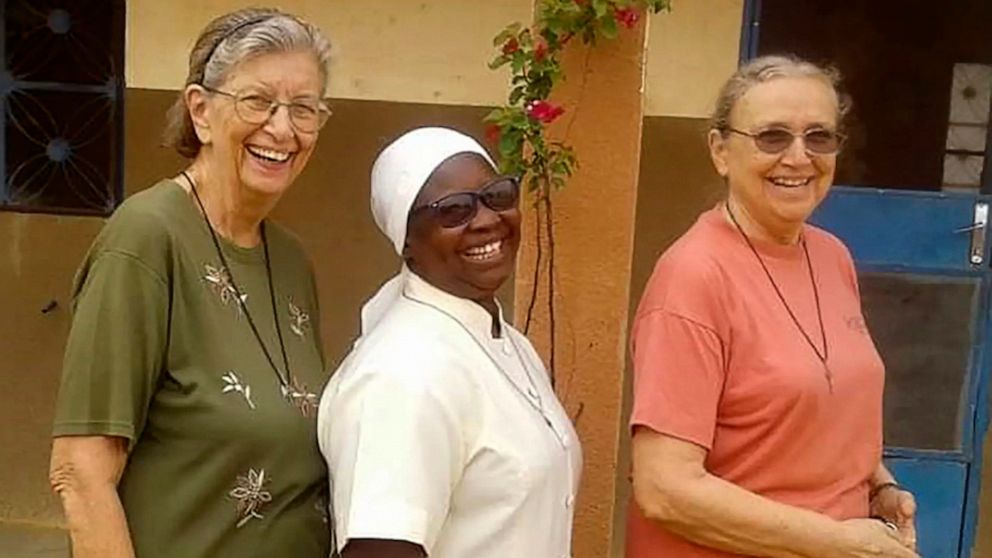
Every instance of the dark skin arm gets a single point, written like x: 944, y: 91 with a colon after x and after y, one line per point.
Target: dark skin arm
x: 380, y: 548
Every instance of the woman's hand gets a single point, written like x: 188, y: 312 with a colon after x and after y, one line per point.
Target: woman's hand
x: 870, y: 538
x: 898, y: 506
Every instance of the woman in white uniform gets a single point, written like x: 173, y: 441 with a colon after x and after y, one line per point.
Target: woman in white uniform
x: 441, y: 431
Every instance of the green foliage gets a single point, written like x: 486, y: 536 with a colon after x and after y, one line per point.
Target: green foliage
x: 517, y: 129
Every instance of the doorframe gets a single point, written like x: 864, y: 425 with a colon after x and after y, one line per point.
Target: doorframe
x: 750, y: 30
x: 978, y: 428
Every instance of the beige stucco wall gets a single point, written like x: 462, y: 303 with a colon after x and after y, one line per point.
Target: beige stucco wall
x: 427, y: 51
x: 435, y: 51
x: 690, y: 52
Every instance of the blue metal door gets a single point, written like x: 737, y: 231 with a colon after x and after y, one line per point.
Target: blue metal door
x: 923, y: 266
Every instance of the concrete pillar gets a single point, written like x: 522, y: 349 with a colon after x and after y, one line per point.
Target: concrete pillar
x: 594, y: 229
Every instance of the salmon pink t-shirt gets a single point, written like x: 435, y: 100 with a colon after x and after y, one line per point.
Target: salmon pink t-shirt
x: 718, y: 362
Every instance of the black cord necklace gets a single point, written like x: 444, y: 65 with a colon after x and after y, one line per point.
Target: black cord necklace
x: 822, y: 356
x: 284, y: 383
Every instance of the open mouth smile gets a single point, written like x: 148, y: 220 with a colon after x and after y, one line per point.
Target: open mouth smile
x: 485, y: 252
x: 268, y: 155
x: 790, y: 182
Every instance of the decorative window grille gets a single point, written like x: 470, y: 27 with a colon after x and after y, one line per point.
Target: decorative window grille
x: 62, y: 89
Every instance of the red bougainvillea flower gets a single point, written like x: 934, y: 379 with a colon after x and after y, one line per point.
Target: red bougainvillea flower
x: 541, y: 51
x: 511, y: 46
x: 544, y: 111
x: 628, y: 17
x: 493, y: 133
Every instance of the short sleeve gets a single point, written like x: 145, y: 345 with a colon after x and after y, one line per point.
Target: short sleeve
x: 678, y: 376
x: 396, y: 448
x: 116, y: 348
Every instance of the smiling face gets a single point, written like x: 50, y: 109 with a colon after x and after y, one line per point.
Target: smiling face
x: 264, y: 158
x: 777, y: 192
x: 472, y: 260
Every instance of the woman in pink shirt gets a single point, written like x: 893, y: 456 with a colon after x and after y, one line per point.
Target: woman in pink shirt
x: 757, y: 421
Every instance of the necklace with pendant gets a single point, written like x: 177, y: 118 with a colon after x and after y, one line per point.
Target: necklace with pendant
x: 822, y: 356
x: 289, y: 387
x: 533, y: 398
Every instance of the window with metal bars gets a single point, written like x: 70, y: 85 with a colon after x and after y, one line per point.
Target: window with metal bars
x: 62, y: 88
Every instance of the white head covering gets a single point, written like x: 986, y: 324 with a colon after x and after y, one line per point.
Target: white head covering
x: 398, y: 175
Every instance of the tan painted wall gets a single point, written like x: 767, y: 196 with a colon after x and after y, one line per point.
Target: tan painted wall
x: 426, y: 51
x: 435, y: 51
x: 690, y: 52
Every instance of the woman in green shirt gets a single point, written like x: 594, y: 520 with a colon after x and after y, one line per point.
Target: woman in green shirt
x: 185, y: 424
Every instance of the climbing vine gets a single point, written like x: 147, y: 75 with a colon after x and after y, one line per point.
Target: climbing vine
x: 517, y: 129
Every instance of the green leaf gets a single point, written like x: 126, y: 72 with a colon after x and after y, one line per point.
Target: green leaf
x: 523, y: 149
x: 493, y: 115
x: 498, y: 62
x: 525, y: 38
x: 503, y: 36
x: 608, y: 27
x: 509, y: 144
x: 516, y: 94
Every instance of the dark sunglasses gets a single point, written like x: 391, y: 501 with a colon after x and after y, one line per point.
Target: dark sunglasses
x: 454, y: 210
x: 776, y: 140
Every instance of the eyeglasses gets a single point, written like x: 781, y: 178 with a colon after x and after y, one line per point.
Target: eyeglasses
x: 776, y: 140
x: 454, y: 210
x: 306, y: 116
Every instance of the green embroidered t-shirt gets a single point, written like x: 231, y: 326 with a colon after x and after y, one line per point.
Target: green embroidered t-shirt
x: 223, y: 457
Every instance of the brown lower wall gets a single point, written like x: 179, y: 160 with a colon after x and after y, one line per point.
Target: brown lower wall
x: 676, y: 183
x: 38, y: 255
x: 328, y: 208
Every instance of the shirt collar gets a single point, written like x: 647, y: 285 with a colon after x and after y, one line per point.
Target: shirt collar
x: 469, y: 313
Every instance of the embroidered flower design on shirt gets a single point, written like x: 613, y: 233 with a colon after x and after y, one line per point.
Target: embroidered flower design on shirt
x: 220, y: 282
x: 251, y: 495
x: 299, y: 321
x: 857, y: 323
x: 233, y: 384
x: 300, y: 397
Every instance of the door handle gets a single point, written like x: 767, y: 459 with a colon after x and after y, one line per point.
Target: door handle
x: 969, y: 228
x: 976, y: 255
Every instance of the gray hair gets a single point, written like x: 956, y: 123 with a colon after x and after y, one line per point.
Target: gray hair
x: 230, y: 40
x: 767, y: 68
